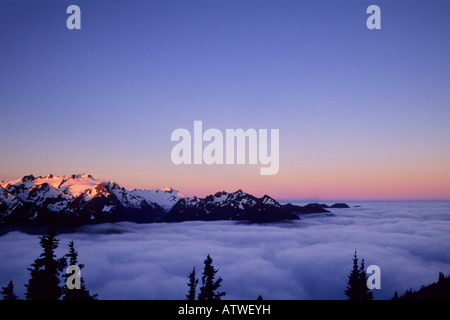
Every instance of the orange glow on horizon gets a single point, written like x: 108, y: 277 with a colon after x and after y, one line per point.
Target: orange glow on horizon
x: 301, y: 184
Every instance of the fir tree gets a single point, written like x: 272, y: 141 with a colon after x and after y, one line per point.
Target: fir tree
x: 439, y: 290
x: 76, y: 294
x: 8, y: 292
x: 44, y: 283
x: 353, y: 289
x: 366, y: 294
x: 192, y: 284
x: 209, y: 284
x: 357, y: 282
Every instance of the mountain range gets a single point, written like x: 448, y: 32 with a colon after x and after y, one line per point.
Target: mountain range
x: 80, y: 199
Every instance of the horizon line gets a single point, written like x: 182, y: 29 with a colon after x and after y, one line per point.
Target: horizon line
x: 279, y: 199
x: 362, y: 200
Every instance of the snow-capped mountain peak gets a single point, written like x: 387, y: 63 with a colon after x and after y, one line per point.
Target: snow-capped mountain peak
x: 84, y: 199
x: 77, y: 184
x: 166, y: 197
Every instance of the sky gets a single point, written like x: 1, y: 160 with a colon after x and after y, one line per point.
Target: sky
x: 362, y: 114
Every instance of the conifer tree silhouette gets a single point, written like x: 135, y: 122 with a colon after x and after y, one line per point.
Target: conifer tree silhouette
x: 353, y: 288
x: 44, y: 283
x: 357, y: 282
x: 366, y: 294
x: 209, y: 284
x: 76, y: 294
x: 8, y: 292
x: 192, y: 284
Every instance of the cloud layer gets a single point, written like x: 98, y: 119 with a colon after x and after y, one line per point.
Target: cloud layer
x: 307, y: 259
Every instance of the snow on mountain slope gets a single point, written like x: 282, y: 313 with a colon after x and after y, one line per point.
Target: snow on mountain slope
x: 8, y: 203
x: 32, y: 189
x: 49, y: 186
x: 20, y: 187
x: 80, y: 198
x: 166, y: 197
x: 39, y: 193
x: 30, y: 180
x: 78, y: 184
x: 240, y: 199
x: 126, y: 197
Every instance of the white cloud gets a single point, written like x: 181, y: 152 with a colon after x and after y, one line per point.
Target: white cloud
x: 307, y: 259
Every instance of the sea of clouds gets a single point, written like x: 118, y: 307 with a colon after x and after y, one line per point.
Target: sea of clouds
x: 306, y: 259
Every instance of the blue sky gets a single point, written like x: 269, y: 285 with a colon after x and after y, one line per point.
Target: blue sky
x: 362, y: 113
